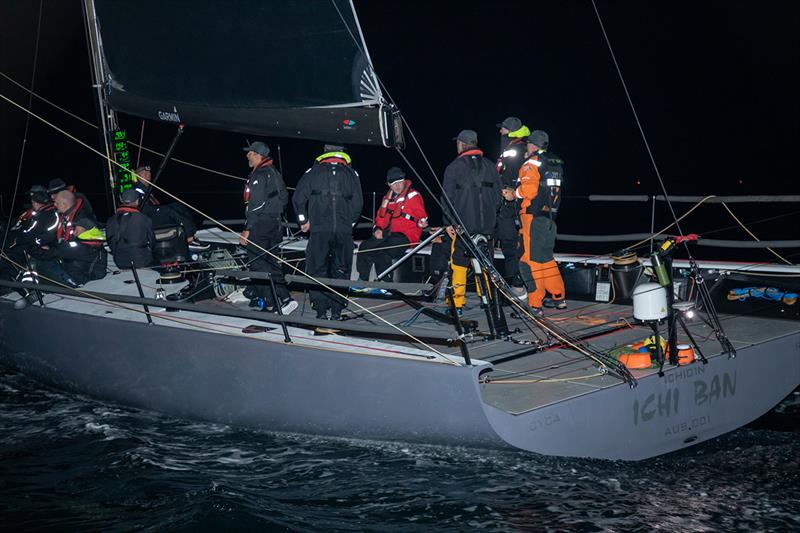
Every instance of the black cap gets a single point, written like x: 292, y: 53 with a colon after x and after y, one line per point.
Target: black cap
x: 539, y: 138
x: 142, y: 168
x: 130, y: 196
x: 56, y: 185
x: 333, y: 148
x: 258, y: 147
x: 510, y: 123
x: 468, y: 137
x: 395, y: 174
x: 39, y: 194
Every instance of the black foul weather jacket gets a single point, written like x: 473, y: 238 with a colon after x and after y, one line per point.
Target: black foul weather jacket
x: 265, y: 194
x: 510, y: 161
x: 130, y: 236
x: 472, y: 184
x: 35, y: 228
x: 329, y: 195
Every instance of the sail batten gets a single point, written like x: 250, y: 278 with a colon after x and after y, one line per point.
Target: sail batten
x: 266, y: 67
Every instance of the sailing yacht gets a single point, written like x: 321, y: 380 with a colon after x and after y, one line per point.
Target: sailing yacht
x: 404, y: 366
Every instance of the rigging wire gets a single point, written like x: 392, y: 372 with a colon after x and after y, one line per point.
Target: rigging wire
x: 702, y: 289
x: 140, y: 146
x: 27, y: 126
x: 636, y: 118
x: 499, y: 283
x: 141, y: 140
x: 168, y: 317
x: 223, y: 226
x: 45, y: 100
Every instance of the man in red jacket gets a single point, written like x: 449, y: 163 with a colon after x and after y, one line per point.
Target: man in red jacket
x: 398, y: 225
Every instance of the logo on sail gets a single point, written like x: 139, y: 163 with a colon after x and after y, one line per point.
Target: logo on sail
x: 170, y: 116
x: 349, y: 124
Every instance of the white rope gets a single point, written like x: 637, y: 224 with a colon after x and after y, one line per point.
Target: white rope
x: 223, y: 226
x: 776, y: 254
x: 83, y: 120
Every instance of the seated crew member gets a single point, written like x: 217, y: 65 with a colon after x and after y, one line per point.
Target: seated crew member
x: 77, y: 255
x: 129, y: 233
x: 266, y: 197
x: 540, y: 192
x: 398, y: 224
x: 513, y: 135
x: 163, y: 215
x: 34, y: 228
x: 472, y: 185
x: 57, y: 185
x: 328, y: 203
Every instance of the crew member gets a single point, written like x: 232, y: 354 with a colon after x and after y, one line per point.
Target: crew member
x: 266, y: 198
x: 129, y: 233
x: 471, y: 187
x: 164, y: 215
x: 398, y: 224
x: 34, y: 228
x: 328, y: 203
x: 57, y: 185
x: 512, y: 154
x: 78, y: 255
x: 540, y: 192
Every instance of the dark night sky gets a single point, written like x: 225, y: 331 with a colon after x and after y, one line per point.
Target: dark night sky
x: 714, y: 82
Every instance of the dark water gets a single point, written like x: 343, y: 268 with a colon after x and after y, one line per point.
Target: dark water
x: 68, y: 462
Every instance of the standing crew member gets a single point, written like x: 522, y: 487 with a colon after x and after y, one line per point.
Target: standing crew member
x: 472, y: 185
x: 398, y: 224
x: 328, y: 203
x: 540, y: 192
x: 513, y: 135
x: 129, y: 233
x: 266, y: 197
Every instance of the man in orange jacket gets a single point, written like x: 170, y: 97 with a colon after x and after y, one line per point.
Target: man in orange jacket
x: 540, y: 191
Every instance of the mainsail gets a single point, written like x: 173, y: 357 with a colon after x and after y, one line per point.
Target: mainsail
x: 291, y: 68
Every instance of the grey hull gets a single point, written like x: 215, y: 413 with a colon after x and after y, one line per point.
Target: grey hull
x: 689, y: 405
x: 235, y: 380
x: 273, y: 386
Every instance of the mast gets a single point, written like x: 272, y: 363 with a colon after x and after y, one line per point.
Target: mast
x: 106, y: 115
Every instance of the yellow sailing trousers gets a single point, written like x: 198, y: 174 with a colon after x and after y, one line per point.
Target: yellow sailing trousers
x: 459, y: 264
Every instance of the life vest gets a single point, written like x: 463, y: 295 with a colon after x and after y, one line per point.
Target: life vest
x: 30, y: 214
x: 336, y: 158
x: 510, y: 161
x: 551, y: 178
x: 93, y: 237
x: 552, y: 172
x: 27, y: 215
x: 66, y: 231
x: 263, y: 164
x: 402, y: 213
x: 395, y: 205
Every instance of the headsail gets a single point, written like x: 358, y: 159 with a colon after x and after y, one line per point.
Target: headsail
x: 287, y: 68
